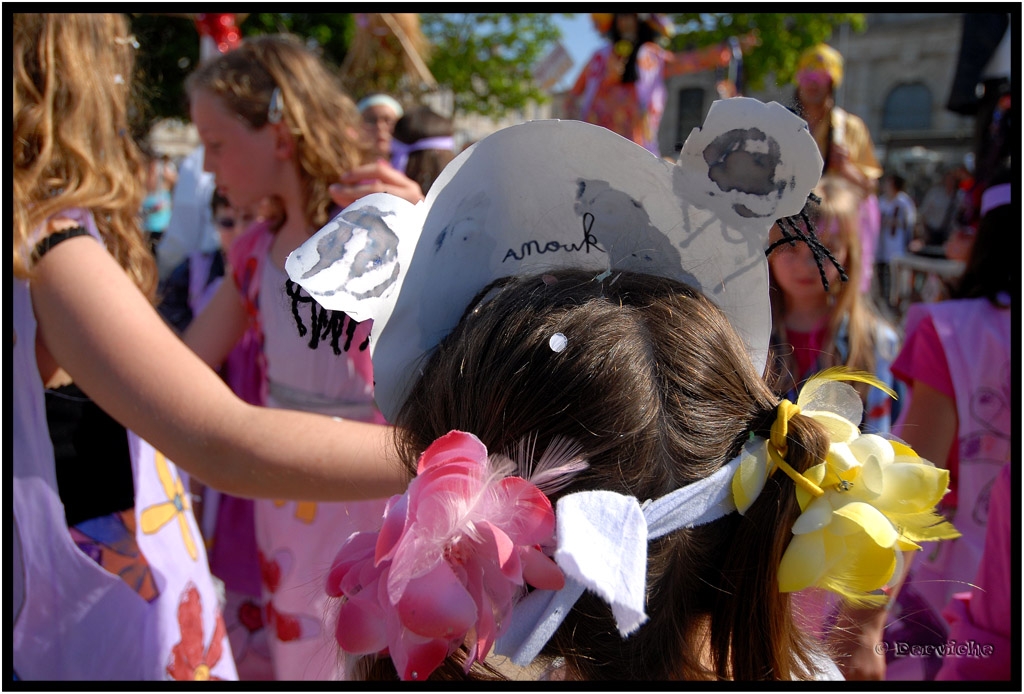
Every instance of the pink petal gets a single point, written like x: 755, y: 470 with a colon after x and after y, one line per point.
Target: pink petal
x: 539, y: 570
x: 436, y: 605
x: 395, y: 520
x: 455, y: 445
x: 415, y: 660
x: 495, y: 546
x: 360, y: 627
x: 357, y: 548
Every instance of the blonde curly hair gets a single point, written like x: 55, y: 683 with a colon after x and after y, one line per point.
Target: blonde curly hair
x: 322, y: 118
x: 72, y: 144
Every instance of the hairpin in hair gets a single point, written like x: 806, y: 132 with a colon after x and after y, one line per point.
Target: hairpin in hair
x: 794, y: 233
x: 275, y: 110
x: 869, y: 500
x: 129, y: 40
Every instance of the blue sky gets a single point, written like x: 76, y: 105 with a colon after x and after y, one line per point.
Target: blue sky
x: 580, y: 39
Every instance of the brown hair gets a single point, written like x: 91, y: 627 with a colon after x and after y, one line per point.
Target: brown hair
x: 72, y: 146
x: 839, y: 209
x: 322, y: 118
x: 418, y: 123
x: 656, y: 387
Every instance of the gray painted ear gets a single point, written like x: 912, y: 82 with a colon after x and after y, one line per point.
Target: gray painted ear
x: 357, y: 261
x: 546, y: 195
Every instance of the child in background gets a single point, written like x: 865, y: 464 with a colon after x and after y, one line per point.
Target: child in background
x: 553, y: 332
x: 815, y: 328
x: 422, y: 145
x: 121, y: 590
x: 380, y: 112
x: 958, y: 364
x: 189, y: 287
x: 276, y: 125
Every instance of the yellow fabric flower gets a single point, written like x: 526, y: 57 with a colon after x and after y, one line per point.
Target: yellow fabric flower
x: 877, y: 497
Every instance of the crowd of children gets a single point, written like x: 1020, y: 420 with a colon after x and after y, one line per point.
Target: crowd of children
x: 568, y: 411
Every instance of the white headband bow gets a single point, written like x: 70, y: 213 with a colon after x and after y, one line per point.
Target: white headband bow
x: 602, y: 546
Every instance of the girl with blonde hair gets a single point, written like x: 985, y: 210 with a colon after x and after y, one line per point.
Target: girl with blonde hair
x: 105, y: 395
x: 816, y: 327
x: 276, y: 124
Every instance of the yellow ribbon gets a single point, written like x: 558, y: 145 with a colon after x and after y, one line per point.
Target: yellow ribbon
x: 779, y: 447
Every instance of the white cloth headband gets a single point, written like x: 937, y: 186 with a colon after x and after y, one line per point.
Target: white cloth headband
x: 993, y: 197
x: 602, y: 546
x: 381, y: 100
x: 400, y: 151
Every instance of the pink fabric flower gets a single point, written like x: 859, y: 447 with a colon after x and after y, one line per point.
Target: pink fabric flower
x: 453, y: 554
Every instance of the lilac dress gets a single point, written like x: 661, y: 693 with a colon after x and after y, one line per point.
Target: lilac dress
x: 158, y: 617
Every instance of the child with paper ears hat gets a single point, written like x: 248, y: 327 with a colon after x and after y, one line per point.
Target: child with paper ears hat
x: 571, y: 335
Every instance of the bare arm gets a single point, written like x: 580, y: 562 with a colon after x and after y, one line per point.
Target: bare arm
x: 930, y: 424
x: 104, y: 333
x: 219, y: 326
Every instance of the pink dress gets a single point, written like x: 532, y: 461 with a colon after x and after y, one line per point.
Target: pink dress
x: 298, y: 540
x: 135, y: 600
x: 973, y: 339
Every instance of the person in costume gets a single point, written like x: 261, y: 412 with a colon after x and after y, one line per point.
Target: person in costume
x: 108, y: 575
x: 843, y: 139
x: 622, y: 85
x: 957, y: 363
x: 570, y: 335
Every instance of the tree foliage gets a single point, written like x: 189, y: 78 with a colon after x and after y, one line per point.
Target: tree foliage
x: 781, y: 37
x: 485, y: 59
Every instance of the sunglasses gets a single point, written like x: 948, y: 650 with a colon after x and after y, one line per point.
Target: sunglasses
x: 226, y: 223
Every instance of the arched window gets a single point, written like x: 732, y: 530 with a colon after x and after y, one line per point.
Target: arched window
x: 908, y: 107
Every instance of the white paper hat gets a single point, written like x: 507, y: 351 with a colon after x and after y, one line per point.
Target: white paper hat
x: 547, y: 195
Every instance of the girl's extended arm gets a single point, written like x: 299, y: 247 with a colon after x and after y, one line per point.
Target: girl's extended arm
x: 107, y: 336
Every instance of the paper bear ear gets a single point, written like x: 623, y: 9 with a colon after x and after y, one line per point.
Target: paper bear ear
x: 550, y: 195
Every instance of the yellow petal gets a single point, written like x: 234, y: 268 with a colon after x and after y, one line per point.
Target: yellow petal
x: 864, y: 566
x: 840, y: 429
x: 818, y: 474
x: 163, y: 472
x: 902, y: 449
x: 870, y: 479
x: 858, y: 515
x: 803, y: 562
x: 817, y: 515
x: 841, y: 459
x: 867, y: 445
x: 912, y: 488
x: 751, y: 474
x: 156, y: 517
